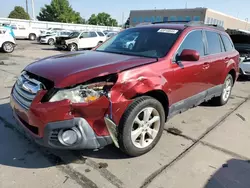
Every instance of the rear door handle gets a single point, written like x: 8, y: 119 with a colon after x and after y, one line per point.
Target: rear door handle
x: 206, y: 66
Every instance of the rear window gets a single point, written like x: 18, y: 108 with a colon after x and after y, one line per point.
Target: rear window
x: 146, y: 42
x: 214, y: 44
x: 227, y: 43
x: 100, y: 34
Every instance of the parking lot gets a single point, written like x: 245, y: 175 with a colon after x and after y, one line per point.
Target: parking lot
x: 206, y: 146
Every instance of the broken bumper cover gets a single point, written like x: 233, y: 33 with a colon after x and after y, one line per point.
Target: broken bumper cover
x: 87, y: 139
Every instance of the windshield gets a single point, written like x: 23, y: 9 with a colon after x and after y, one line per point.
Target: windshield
x: 146, y: 42
x: 74, y: 34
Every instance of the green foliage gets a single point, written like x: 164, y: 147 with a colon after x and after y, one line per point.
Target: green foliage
x: 19, y: 13
x: 60, y: 11
x: 102, y: 19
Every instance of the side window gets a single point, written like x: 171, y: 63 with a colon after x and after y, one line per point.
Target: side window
x: 21, y: 27
x: 193, y: 41
x: 213, y: 41
x: 100, y: 34
x: 227, y: 43
x: 13, y: 26
x: 85, y: 35
x: 92, y: 34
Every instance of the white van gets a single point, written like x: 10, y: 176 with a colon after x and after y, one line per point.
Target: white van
x: 7, y: 42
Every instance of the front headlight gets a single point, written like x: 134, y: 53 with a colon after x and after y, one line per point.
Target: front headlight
x: 83, y: 93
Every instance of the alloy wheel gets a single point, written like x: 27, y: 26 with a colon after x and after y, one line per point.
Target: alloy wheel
x: 227, y: 89
x: 8, y: 47
x: 145, y: 127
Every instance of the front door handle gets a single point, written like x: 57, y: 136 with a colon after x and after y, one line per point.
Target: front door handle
x: 206, y: 66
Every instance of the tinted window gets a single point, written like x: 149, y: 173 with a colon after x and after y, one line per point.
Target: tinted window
x: 193, y: 41
x: 150, y: 42
x: 213, y: 40
x: 85, y: 35
x: 227, y: 43
x: 92, y: 34
x: 100, y: 34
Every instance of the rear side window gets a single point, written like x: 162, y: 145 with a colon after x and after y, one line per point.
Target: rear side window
x: 193, y: 41
x: 213, y: 40
x: 227, y: 43
x: 100, y: 34
x: 92, y: 34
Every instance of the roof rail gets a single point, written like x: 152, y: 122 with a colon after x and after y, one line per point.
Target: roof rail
x: 193, y: 23
x: 170, y: 22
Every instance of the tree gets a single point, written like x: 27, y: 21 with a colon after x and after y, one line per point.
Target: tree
x: 60, y: 11
x: 102, y: 19
x: 19, y: 13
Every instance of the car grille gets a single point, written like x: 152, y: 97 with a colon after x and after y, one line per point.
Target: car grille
x: 25, y: 90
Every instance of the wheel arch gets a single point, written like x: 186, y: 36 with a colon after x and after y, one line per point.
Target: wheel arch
x: 32, y: 34
x: 232, y: 72
x: 159, y: 95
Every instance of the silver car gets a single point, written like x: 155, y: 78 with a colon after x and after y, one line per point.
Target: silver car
x: 245, y: 66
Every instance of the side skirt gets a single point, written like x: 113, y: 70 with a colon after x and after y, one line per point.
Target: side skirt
x: 194, y: 101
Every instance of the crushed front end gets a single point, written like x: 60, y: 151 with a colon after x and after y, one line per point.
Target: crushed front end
x: 68, y: 118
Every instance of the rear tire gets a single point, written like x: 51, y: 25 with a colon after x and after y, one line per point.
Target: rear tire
x: 8, y: 47
x: 32, y: 36
x: 51, y: 42
x: 141, y: 126
x: 226, y: 92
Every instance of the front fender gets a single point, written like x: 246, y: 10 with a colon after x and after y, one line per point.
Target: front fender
x: 132, y: 83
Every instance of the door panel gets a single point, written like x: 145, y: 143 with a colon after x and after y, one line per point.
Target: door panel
x: 216, y: 57
x: 88, y: 41
x: 189, y: 80
x: 190, y: 76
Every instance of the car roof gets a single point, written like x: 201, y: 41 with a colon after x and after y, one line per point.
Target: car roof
x: 180, y: 25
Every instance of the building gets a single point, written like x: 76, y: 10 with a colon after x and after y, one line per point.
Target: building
x: 196, y: 14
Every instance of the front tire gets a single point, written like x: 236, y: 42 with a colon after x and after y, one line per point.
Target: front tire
x: 226, y: 92
x: 73, y: 47
x: 141, y: 126
x: 8, y: 47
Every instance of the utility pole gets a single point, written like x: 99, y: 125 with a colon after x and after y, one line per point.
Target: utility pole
x: 27, y: 7
x: 122, y: 18
x: 33, y: 10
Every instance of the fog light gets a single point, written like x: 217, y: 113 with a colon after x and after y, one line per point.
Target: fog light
x: 68, y: 137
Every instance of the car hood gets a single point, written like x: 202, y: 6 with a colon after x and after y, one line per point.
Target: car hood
x: 77, y: 67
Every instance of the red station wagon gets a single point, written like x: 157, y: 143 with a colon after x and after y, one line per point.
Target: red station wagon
x: 124, y: 95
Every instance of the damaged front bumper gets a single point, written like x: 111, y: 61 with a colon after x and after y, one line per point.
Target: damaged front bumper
x: 45, y: 123
x: 86, y: 137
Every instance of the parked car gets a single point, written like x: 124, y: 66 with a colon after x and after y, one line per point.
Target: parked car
x: 22, y: 32
x: 241, y: 40
x: 129, y: 42
x: 51, y: 38
x: 80, y: 40
x: 113, y: 94
x: 7, y: 42
x: 44, y: 34
x: 110, y: 34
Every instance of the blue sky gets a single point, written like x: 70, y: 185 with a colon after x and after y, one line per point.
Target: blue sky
x: 237, y: 8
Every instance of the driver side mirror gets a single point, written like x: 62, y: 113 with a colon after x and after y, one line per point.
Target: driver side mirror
x: 189, y: 55
x: 81, y: 37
